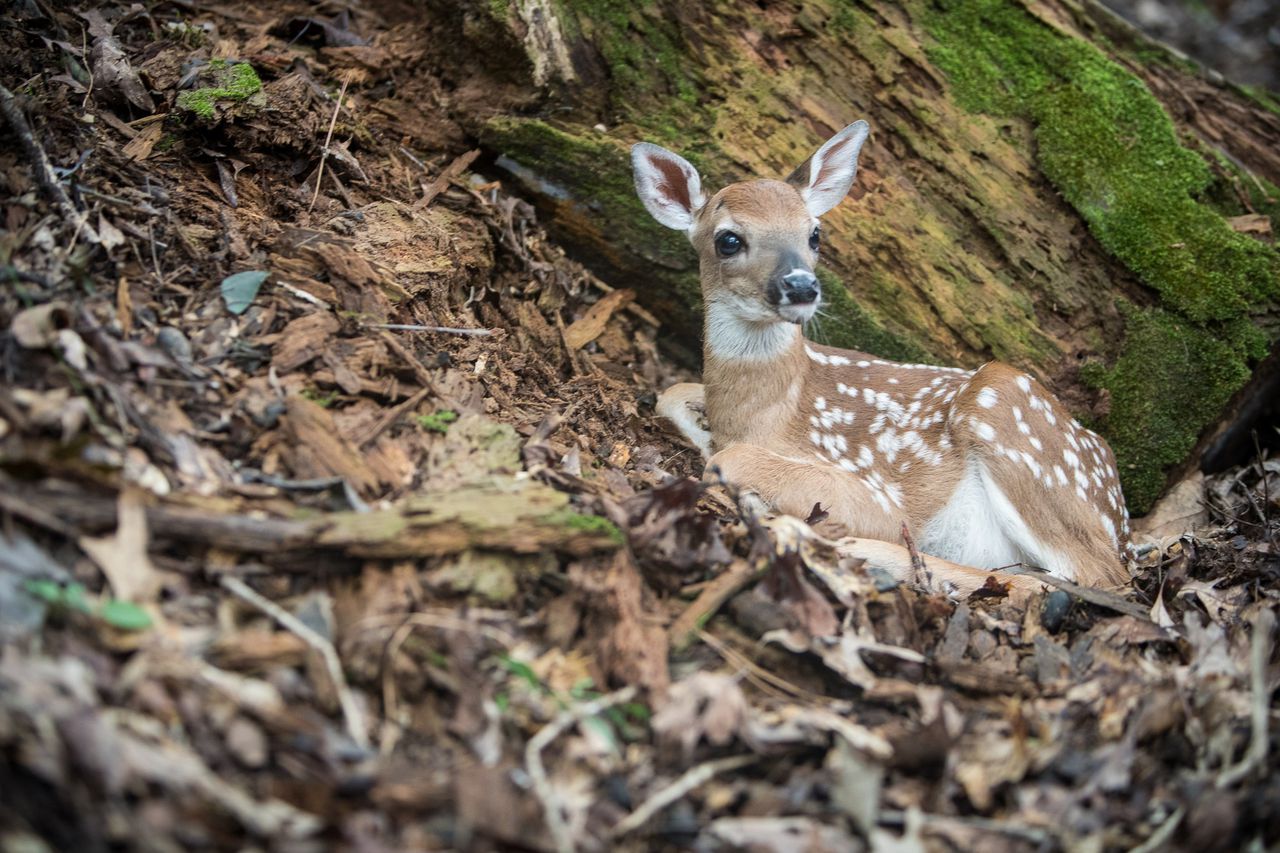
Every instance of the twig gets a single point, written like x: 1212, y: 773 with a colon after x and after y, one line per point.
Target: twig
x: 324, y: 152
x: 350, y: 710
x: 444, y: 330
x: 1100, y: 597
x: 1034, y: 834
x: 393, y: 414
x: 924, y: 578
x: 303, y: 295
x: 392, y: 724
x: 688, y: 781
x: 538, y: 773
x: 713, y: 596
x: 418, y: 368
x: 1159, y: 839
x: 446, y: 177
x: 44, y: 173
x: 762, y: 678
x: 1259, y: 651
x: 37, y: 516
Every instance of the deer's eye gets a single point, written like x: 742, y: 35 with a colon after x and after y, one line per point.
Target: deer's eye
x: 728, y: 244
x: 815, y: 239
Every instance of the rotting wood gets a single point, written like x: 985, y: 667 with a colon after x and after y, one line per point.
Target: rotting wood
x: 516, y: 515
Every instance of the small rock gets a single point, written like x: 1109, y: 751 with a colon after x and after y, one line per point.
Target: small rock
x: 981, y: 644
x: 175, y: 344
x: 1056, y: 606
x: 247, y: 743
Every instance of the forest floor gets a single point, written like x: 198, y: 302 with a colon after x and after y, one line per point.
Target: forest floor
x: 277, y: 572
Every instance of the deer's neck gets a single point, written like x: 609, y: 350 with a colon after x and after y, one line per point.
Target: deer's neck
x: 754, y: 373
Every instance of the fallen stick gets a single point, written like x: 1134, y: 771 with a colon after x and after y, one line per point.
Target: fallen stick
x: 44, y: 173
x: 324, y: 152
x: 713, y: 596
x: 692, y: 778
x: 537, y: 771
x: 350, y: 710
x: 1093, y: 595
x: 519, y: 516
x: 443, y: 330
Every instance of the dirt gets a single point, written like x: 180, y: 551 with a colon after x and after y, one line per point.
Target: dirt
x: 295, y: 576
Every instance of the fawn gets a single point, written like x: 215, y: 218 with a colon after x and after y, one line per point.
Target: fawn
x: 986, y: 467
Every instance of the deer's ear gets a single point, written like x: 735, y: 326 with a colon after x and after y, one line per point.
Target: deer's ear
x: 824, y: 179
x: 669, y: 187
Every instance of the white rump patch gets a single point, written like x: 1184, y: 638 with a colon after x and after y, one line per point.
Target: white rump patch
x: 980, y: 527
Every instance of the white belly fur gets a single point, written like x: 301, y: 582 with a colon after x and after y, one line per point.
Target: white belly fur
x: 980, y: 527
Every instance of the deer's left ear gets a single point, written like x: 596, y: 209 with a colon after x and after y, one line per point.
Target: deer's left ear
x: 824, y: 179
x: 667, y: 184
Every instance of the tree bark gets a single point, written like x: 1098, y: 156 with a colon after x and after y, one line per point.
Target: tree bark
x: 1042, y: 185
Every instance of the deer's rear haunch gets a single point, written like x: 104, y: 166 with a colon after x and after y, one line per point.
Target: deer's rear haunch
x: 986, y: 466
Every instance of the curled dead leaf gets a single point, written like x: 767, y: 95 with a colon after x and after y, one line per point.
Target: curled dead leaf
x: 38, y: 327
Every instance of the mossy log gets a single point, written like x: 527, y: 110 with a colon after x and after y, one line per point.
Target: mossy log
x: 516, y: 516
x: 1042, y: 185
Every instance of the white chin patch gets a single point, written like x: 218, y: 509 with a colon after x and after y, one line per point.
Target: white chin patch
x: 798, y: 313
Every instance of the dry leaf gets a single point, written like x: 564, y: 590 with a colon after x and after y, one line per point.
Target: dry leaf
x: 587, y: 328
x: 122, y: 556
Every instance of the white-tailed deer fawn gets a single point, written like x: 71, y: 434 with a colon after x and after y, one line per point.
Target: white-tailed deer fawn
x: 985, y: 466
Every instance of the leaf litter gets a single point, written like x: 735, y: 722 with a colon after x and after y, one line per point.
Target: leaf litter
x: 336, y: 514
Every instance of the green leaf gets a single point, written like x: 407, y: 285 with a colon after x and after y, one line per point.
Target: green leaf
x: 124, y: 615
x: 69, y: 596
x: 239, y: 290
x: 49, y: 592
x: 602, y: 727
x: 520, y: 670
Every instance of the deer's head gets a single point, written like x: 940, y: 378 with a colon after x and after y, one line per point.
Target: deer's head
x: 757, y: 241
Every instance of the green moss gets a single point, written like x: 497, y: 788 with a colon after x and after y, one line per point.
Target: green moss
x: 229, y: 81
x: 319, y: 397
x: 641, y: 45
x: 1195, y: 370
x: 586, y: 523
x: 845, y: 323
x: 603, y: 216
x: 1107, y: 145
x: 437, y: 421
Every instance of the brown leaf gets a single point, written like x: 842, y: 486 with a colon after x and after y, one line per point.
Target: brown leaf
x: 122, y: 556
x: 1252, y: 223
x: 115, y: 77
x: 704, y: 705
x: 316, y: 449
x: 302, y: 340
x: 588, y: 327
x: 140, y: 147
x: 630, y: 643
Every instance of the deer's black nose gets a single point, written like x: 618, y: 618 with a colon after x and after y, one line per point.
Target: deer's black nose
x: 800, y: 287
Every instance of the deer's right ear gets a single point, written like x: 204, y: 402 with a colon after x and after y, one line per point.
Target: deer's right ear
x: 669, y: 187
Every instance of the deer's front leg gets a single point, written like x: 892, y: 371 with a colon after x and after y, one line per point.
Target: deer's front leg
x: 793, y: 486
x: 685, y: 405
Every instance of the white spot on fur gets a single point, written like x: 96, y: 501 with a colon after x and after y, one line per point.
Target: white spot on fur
x: 987, y: 398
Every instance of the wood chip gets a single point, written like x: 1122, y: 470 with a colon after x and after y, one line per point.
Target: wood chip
x: 302, y: 340
x: 316, y: 450
x: 589, y: 327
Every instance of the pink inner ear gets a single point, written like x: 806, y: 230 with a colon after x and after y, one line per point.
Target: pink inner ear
x: 829, y: 157
x: 675, y: 183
